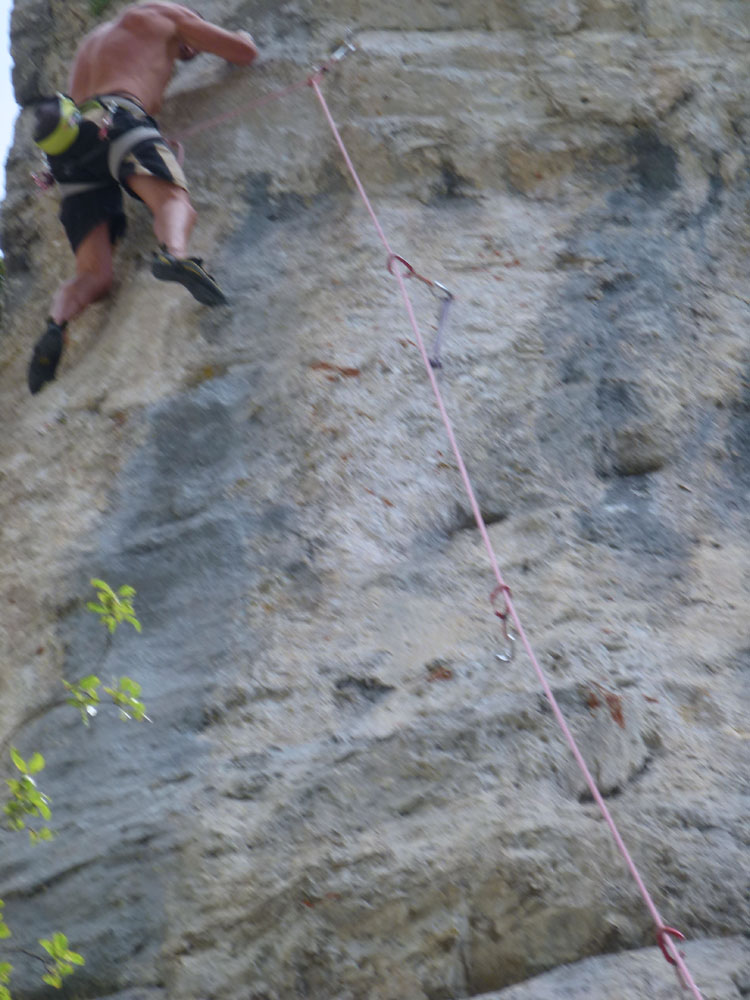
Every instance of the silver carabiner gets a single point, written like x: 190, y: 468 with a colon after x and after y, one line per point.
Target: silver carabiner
x: 441, y: 292
x: 510, y: 637
x: 343, y: 50
x: 507, y: 655
x: 446, y: 300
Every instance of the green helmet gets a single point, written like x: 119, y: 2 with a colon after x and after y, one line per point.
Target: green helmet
x: 57, y: 124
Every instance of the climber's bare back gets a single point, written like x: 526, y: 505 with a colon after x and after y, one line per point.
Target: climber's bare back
x: 135, y: 54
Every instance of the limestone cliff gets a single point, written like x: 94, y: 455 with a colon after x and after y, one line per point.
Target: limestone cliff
x: 344, y: 795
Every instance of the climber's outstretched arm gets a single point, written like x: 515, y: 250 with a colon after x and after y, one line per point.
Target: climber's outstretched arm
x: 235, y: 46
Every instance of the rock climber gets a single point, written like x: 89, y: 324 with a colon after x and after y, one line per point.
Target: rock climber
x: 101, y: 137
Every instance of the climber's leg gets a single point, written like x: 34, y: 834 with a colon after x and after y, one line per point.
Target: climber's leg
x: 92, y: 281
x: 174, y: 217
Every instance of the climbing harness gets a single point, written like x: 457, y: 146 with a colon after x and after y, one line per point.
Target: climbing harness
x: 61, y: 139
x: 121, y: 146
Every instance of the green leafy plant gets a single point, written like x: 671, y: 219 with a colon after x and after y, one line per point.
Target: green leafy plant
x: 125, y: 696
x: 84, y: 696
x: 113, y: 608
x: 26, y: 799
x: 5, y: 970
x: 62, y: 959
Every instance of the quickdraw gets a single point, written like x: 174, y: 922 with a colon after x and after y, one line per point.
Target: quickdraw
x: 510, y: 638
x: 440, y: 292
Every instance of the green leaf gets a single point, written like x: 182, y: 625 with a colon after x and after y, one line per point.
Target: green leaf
x: 5, y: 970
x: 4, y: 932
x: 60, y: 942
x: 36, y: 763
x: 101, y: 585
x: 52, y: 979
x: 47, y: 945
x: 5, y: 993
x: 96, y: 608
x: 75, y: 958
x: 111, y: 623
x: 126, y: 591
x: 34, y: 797
x: 18, y: 760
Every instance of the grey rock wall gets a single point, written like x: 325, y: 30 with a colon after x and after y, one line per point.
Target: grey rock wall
x: 344, y: 795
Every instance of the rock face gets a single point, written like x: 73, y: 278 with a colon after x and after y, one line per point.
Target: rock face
x: 344, y: 794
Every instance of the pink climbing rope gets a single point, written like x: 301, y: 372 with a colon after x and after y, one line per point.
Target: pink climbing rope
x: 257, y: 102
x: 273, y: 95
x: 664, y: 934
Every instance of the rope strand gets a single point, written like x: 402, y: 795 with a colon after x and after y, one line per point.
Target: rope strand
x: 664, y: 934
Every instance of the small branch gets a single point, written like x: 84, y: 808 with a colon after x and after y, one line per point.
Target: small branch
x: 32, y: 955
x: 36, y: 714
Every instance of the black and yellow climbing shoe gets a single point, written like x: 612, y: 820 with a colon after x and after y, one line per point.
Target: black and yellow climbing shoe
x: 46, y: 356
x: 189, y: 272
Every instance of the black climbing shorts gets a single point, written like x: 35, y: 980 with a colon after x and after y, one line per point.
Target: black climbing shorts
x: 116, y: 140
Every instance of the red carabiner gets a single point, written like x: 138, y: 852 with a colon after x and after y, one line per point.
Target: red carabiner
x: 661, y: 936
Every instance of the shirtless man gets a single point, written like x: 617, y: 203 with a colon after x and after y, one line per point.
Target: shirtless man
x: 102, y: 138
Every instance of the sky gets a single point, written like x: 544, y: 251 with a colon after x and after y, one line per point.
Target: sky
x: 8, y: 107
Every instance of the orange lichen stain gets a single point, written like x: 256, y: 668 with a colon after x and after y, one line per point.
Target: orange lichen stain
x: 326, y: 366
x: 592, y: 701
x: 614, y: 704
x: 438, y: 672
x: 385, y: 500
x: 611, y: 700
x: 313, y: 901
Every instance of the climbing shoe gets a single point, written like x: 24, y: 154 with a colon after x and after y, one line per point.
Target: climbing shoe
x: 46, y: 356
x: 189, y: 272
